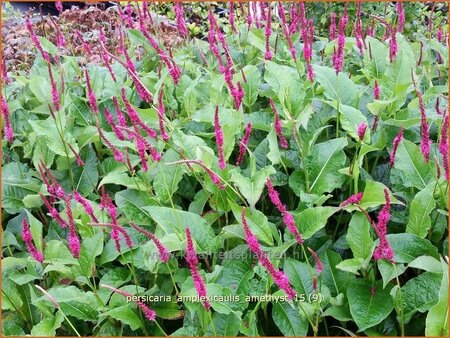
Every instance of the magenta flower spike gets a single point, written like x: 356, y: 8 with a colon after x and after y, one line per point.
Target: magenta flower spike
x: 191, y: 259
x: 113, y: 125
x: 9, y: 133
x: 55, y: 93
x: 278, y: 277
x: 332, y: 26
x: 53, y: 212
x: 268, y: 33
x: 401, y: 16
x: 59, y: 6
x: 148, y: 313
x: 244, y: 142
x: 161, y: 115
x: 90, y: 93
x: 118, y: 156
x: 28, y: 239
x: 425, y: 142
x: 86, y: 205
x: 219, y: 139
x: 395, y: 144
x: 72, y: 238
x: 393, y: 46
x: 384, y: 249
x: 36, y: 41
x: 164, y: 254
x: 443, y: 146
x: 354, y: 199
x: 319, y: 265
x: 288, y: 219
x: 231, y: 17
x: 179, y: 17
x: 338, y: 56
x: 362, y: 127
x: 277, y: 125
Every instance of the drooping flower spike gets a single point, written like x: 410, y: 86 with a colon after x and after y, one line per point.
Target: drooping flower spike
x: 354, y: 199
x: 179, y: 17
x: 28, y: 239
x: 90, y: 93
x: 9, y: 133
x: 78, y: 158
x: 319, y: 266
x: 278, y: 276
x: 36, y: 41
x: 118, y: 156
x: 395, y: 144
x: 332, y: 26
x: 116, y: 230
x: 86, y: 205
x: 219, y: 139
x: 112, y: 124
x: 164, y: 254
x: 288, y: 219
x: 425, y: 142
x: 148, y: 313
x: 161, y: 115
x: 191, y: 259
x: 384, y: 249
x: 53, y: 212
x: 277, y: 125
x: 244, y: 142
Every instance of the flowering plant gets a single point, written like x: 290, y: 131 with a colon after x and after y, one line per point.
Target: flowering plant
x: 268, y: 181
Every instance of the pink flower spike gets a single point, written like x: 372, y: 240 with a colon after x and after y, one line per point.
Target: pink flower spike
x: 164, y: 254
x: 59, y: 6
x: 86, y: 205
x: 401, y: 16
x: 112, y: 123
x: 268, y: 33
x: 243, y: 144
x: 161, y: 114
x: 274, y: 197
x: 395, y: 144
x: 383, y: 250
x: 332, y: 26
x: 191, y: 259
x: 148, y: 313
x: 179, y: 14
x: 80, y: 162
x: 376, y: 90
x: 362, y: 127
x: 36, y: 41
x: 278, y: 127
x: 9, y: 134
x: 393, y: 46
x: 425, y: 141
x: 319, y: 265
x: 219, y: 139
x: 86, y: 47
x: 231, y: 17
x: 289, y: 221
x: 28, y: 239
x: 354, y: 199
x: 443, y: 146
x: 91, y: 95
x: 73, y: 240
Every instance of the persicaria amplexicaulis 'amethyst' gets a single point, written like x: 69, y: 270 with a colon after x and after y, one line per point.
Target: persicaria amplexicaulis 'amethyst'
x: 28, y: 239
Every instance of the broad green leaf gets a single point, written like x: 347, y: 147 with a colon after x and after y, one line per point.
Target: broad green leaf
x: 131, y: 203
x: 48, y: 326
x: 336, y: 280
x: 351, y: 118
x: 274, y: 151
x: 336, y: 87
x: 410, y: 166
x: 236, y: 275
x: 48, y: 130
x: 422, y: 292
x: 125, y: 315
x: 86, y: 177
x: 388, y: 271
x: 358, y: 236
x: 167, y: 177
x: 288, y: 319
x: 369, y: 303
x: 251, y: 86
x: 426, y: 263
x: 40, y: 87
x: 176, y: 221
x: 420, y: 210
x: 252, y: 188
x: 437, y: 318
x: 90, y: 248
x: 374, y: 195
x: 299, y: 276
x: 351, y: 265
x: 323, y: 164
x: 408, y: 247
x: 225, y: 325
x: 311, y: 220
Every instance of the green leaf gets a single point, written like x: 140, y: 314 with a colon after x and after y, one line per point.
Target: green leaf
x: 167, y: 177
x: 437, y: 318
x: 420, y: 210
x: 132, y: 202
x: 368, y: 310
x: 176, y: 221
x: 323, y: 164
x: 407, y: 247
x: 40, y: 87
x: 86, y: 177
x: 426, y: 263
x: 351, y: 118
x: 126, y: 315
x: 336, y: 87
x: 311, y: 220
x: 225, y: 325
x: 422, y: 292
x: 252, y: 188
x: 251, y: 86
x: 288, y: 319
x: 410, y: 166
x: 299, y: 276
x: 274, y: 151
x: 90, y: 248
x: 236, y: 275
x: 351, y: 265
x: 358, y: 236
x: 389, y: 272
x: 336, y: 280
x: 374, y: 195
x: 49, y: 132
x: 48, y: 326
